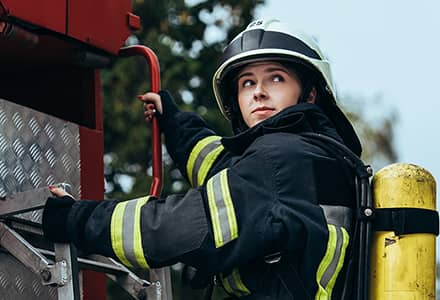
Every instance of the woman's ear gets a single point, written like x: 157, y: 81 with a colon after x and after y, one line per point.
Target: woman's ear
x: 312, y: 95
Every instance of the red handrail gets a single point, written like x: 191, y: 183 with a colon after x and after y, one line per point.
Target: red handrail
x: 153, y: 63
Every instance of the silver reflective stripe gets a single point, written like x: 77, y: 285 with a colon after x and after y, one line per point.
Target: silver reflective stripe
x: 125, y: 232
x: 128, y: 230
x: 332, y: 262
x: 221, y: 208
x: 331, y: 269
x: 200, y: 158
x: 222, y: 211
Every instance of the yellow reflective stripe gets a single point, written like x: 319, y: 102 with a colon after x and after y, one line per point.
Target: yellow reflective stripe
x: 195, y: 154
x: 138, y: 250
x: 116, y: 233
x: 221, y: 208
x: 232, y: 220
x: 241, y: 288
x: 201, y: 159
x: 332, y: 262
x: 234, y: 285
x: 227, y: 286
x: 218, y: 237
x: 207, y: 164
x: 340, y: 262
x: 126, y: 233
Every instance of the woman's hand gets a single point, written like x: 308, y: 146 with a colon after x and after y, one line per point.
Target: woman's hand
x: 58, y: 192
x: 152, y: 103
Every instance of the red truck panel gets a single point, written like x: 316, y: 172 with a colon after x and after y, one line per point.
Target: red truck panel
x: 92, y: 187
x: 102, y: 23
x: 45, y: 75
x: 50, y: 14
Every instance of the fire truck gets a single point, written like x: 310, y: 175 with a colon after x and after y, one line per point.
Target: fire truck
x: 51, y: 132
x: 51, y: 53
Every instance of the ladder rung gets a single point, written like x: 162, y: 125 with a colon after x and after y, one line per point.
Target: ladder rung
x: 90, y: 264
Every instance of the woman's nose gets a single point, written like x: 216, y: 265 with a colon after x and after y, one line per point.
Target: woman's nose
x: 260, y: 92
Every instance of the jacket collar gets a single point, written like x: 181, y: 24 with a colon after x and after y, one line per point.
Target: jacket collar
x: 300, y: 118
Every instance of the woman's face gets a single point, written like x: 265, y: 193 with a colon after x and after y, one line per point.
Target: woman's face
x: 264, y: 89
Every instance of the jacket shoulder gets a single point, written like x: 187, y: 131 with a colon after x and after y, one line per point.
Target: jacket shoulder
x: 298, y: 163
x: 292, y: 145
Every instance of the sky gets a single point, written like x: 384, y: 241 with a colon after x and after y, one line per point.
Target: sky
x: 385, y: 53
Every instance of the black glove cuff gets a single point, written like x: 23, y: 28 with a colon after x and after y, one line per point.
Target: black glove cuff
x: 55, y: 215
x: 79, y: 216
x: 169, y: 106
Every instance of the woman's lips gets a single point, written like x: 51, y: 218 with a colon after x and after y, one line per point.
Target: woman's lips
x: 263, y: 110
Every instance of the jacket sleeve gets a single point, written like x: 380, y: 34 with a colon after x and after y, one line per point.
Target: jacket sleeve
x: 191, y: 143
x: 242, y: 213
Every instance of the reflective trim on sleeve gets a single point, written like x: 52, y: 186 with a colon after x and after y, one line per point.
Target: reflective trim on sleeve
x: 116, y: 233
x: 201, y: 159
x: 126, y: 233
x: 221, y: 208
x: 234, y: 285
x: 332, y: 262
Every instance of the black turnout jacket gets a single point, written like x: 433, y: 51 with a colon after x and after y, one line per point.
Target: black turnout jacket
x: 255, y: 209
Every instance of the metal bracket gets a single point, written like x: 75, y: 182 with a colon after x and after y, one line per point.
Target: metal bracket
x: 67, y: 271
x: 138, y: 288
x: 17, y: 246
x: 59, y: 274
x: 55, y: 275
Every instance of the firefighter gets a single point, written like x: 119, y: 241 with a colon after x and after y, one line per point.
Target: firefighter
x: 268, y: 214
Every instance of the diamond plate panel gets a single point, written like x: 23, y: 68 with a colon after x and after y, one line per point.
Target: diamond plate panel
x: 15, y: 282
x: 36, y: 150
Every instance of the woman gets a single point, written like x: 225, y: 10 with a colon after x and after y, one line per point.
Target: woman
x: 254, y: 221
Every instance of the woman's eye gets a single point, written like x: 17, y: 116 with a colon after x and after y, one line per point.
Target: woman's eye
x: 278, y: 78
x: 247, y: 83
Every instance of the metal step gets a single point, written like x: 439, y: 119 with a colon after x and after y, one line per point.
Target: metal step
x: 59, y: 268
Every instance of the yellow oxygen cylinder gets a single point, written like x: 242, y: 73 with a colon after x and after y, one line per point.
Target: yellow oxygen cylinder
x: 403, y: 266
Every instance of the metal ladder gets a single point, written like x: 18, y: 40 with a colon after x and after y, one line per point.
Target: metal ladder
x: 60, y: 267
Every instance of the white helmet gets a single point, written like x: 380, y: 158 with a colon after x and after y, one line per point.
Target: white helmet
x: 272, y: 40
